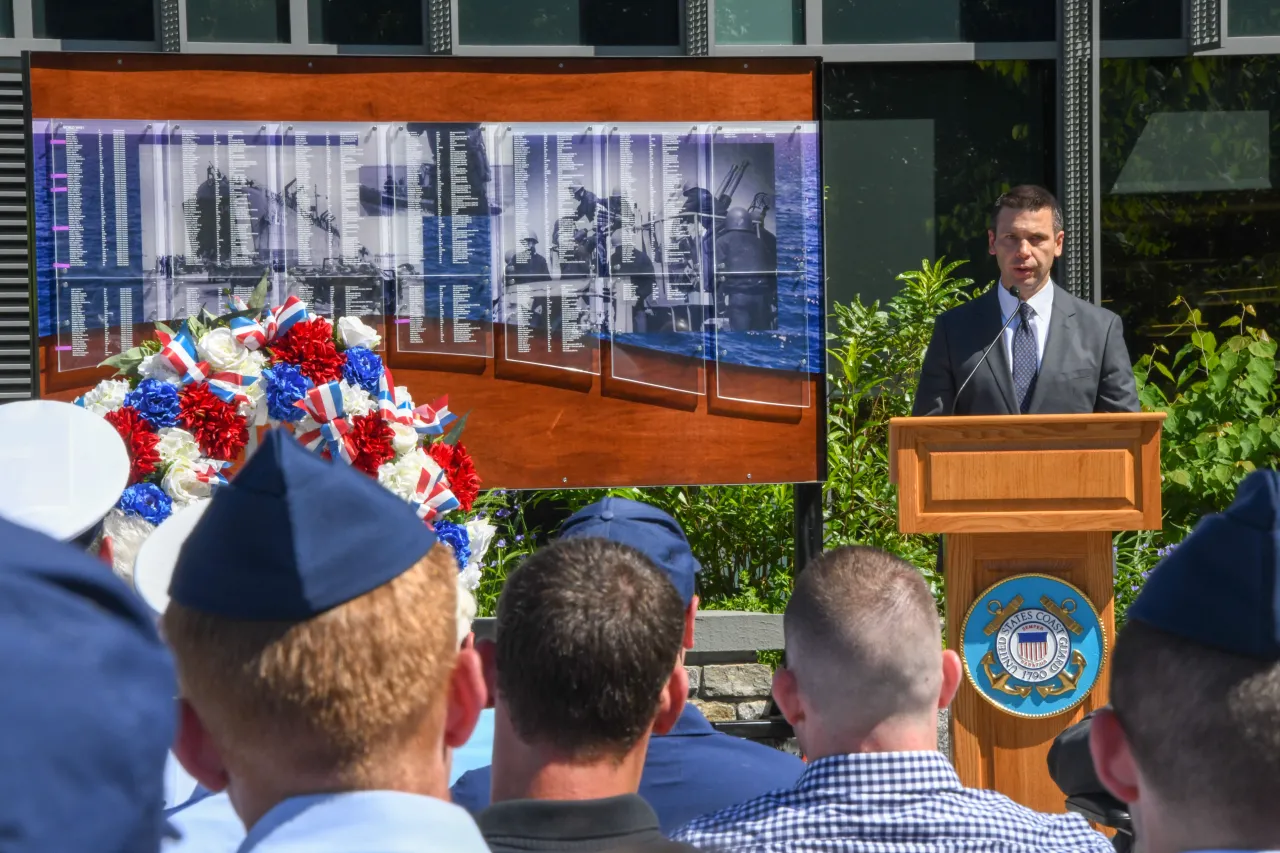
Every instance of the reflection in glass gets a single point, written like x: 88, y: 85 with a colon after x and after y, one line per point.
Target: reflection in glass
x: 607, y: 23
x: 1191, y: 190
x: 238, y: 20
x: 1143, y: 19
x: 1253, y: 18
x: 760, y: 22
x: 914, y: 156
x: 117, y: 20
x: 6, y: 18
x: 372, y: 22
x: 877, y: 21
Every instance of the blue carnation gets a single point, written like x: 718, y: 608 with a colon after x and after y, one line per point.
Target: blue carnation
x: 156, y: 402
x: 363, y: 368
x: 285, y: 386
x: 147, y: 500
x: 455, y: 536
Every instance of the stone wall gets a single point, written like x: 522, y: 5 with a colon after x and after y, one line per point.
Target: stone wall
x: 733, y: 691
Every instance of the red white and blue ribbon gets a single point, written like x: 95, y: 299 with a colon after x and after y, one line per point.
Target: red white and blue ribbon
x: 432, y: 498
x: 388, y: 407
x: 210, y: 471
x: 180, y: 351
x: 324, y: 404
x: 246, y: 330
x: 227, y: 386
x: 431, y: 419
x: 282, y: 318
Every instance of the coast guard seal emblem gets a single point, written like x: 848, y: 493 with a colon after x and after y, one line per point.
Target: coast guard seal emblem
x: 1033, y: 645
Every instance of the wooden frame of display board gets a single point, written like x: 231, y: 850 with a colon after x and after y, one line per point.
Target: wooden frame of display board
x: 528, y: 427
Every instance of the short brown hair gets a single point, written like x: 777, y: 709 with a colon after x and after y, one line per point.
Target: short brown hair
x: 1204, y: 725
x: 1028, y: 197
x: 588, y: 634
x: 330, y: 695
x: 863, y: 635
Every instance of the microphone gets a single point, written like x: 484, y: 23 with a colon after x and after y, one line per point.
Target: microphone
x: 1015, y: 293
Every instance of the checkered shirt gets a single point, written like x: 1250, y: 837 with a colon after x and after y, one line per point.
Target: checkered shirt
x: 889, y: 802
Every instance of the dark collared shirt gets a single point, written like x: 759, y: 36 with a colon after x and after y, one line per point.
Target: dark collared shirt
x: 582, y: 826
x: 889, y: 802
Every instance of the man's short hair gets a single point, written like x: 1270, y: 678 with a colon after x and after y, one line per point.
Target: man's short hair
x: 333, y: 695
x: 863, y: 636
x: 1204, y: 725
x: 588, y: 633
x: 1028, y: 197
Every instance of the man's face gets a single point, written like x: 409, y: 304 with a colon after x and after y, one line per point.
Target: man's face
x: 1025, y: 244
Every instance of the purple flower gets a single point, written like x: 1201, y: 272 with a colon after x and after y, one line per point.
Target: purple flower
x: 520, y: 538
x: 1165, y: 551
x: 501, y: 543
x: 503, y: 513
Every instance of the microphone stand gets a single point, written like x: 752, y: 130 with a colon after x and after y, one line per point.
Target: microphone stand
x: 955, y: 401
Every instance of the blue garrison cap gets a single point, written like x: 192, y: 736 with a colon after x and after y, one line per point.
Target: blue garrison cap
x: 294, y: 535
x: 647, y: 529
x: 87, y: 710
x: 1219, y: 587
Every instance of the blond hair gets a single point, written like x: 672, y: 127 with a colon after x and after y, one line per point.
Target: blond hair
x: 330, y: 695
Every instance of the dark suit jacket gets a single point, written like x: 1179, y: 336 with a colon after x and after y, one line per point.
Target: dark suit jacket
x: 1085, y: 368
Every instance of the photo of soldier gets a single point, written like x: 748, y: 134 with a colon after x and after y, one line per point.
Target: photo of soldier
x: 746, y: 246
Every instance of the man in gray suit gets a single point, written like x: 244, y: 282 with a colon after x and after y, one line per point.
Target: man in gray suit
x: 1059, y: 355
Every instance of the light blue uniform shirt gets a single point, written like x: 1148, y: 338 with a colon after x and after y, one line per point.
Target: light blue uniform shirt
x: 365, y: 822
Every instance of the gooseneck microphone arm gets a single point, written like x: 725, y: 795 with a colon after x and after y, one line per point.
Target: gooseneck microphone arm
x: 955, y: 401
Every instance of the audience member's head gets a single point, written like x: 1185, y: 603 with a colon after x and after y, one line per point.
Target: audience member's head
x: 650, y: 531
x: 313, y: 618
x: 865, y: 668
x: 1192, y: 740
x: 86, y: 712
x: 588, y: 665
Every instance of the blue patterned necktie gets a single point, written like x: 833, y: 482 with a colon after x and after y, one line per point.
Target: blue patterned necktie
x: 1025, y: 357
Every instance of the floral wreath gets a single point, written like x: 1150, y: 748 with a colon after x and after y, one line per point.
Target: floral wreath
x: 184, y: 402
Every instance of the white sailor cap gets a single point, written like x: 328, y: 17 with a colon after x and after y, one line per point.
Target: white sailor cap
x: 153, y: 567
x: 64, y: 467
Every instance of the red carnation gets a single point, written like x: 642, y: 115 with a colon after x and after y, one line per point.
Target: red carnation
x: 461, y: 471
x: 141, y: 439
x: 371, y: 437
x: 309, y: 346
x: 219, y: 429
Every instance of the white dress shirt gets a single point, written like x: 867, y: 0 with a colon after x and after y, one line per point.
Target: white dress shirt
x: 1042, y: 304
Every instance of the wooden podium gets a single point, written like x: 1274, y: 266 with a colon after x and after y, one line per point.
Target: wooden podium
x: 1024, y: 494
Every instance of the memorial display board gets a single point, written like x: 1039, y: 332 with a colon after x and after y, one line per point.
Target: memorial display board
x: 670, y: 264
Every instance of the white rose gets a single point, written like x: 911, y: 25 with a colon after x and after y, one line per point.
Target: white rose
x: 405, y: 438
x: 356, y: 333
x: 403, y: 396
x: 127, y: 533
x: 182, y: 484
x: 224, y: 353
x: 255, y: 411
x: 156, y: 366
x: 107, y: 396
x: 355, y: 400
x: 177, y: 444
x: 466, y: 610
x: 480, y: 534
x: 401, y: 477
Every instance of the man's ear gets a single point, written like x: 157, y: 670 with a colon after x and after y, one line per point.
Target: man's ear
x: 466, y: 699
x: 1057, y: 249
x: 952, y: 674
x: 690, y: 619
x: 671, y: 703
x: 196, y: 752
x: 991, y: 242
x: 1112, y: 756
x: 488, y: 651
x: 786, y: 693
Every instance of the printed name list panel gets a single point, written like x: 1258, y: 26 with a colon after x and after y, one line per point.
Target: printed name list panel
x: 225, y: 212
x: 338, y: 255
x: 554, y: 240
x: 441, y: 188
x: 103, y: 207
x: 659, y: 253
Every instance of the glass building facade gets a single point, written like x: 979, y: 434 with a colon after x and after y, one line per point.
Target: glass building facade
x: 1170, y: 141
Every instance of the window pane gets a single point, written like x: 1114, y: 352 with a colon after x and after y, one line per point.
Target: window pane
x: 604, y: 23
x: 914, y: 157
x: 879, y: 21
x: 759, y: 22
x: 238, y: 20
x: 1253, y: 18
x: 6, y: 18
x: 1191, y: 190
x: 116, y: 20
x: 1143, y: 19
x: 372, y: 22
